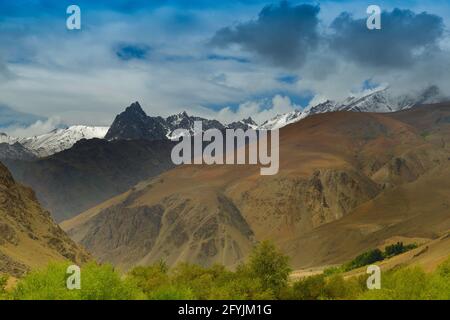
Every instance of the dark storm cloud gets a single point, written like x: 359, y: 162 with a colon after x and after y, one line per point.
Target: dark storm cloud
x: 282, y: 34
x: 404, y: 37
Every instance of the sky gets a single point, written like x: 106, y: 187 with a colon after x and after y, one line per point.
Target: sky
x: 217, y: 59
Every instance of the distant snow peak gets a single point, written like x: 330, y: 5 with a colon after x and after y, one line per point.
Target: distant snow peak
x: 57, y: 140
x: 243, y: 124
x: 380, y: 100
x: 282, y: 120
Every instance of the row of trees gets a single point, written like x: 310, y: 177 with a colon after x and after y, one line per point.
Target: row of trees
x: 264, y: 276
x: 371, y: 257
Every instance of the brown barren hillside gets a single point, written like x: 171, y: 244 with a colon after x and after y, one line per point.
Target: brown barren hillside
x: 28, y: 236
x: 347, y: 182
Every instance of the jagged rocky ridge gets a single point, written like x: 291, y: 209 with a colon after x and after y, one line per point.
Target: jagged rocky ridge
x: 134, y: 124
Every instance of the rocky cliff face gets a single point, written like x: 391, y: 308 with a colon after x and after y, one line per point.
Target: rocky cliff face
x: 176, y: 229
x: 28, y: 235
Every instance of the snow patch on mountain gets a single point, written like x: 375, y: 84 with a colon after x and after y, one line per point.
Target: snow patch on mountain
x: 281, y: 120
x: 4, y: 138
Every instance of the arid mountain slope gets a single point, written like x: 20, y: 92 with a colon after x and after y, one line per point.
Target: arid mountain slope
x: 28, y: 235
x: 420, y: 209
x: 338, y: 171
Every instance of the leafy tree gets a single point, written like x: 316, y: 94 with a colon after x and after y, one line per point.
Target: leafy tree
x: 397, y: 248
x: 270, y: 266
x: 365, y: 259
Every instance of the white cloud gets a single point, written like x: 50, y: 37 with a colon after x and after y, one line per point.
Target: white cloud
x: 259, y: 111
x: 38, y: 128
x: 77, y: 77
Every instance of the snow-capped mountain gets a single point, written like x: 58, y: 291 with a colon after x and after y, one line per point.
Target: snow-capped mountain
x: 184, y: 121
x: 244, y: 124
x: 56, y: 140
x: 376, y: 100
x: 61, y: 139
x: 135, y: 124
x: 281, y: 120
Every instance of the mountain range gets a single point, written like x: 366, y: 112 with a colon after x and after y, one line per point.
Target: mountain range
x: 348, y: 182
x: 135, y: 124
x: 379, y: 100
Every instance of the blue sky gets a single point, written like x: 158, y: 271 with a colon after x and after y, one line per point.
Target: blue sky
x: 218, y: 59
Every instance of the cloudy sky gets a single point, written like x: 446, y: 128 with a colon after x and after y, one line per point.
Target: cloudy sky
x: 218, y: 59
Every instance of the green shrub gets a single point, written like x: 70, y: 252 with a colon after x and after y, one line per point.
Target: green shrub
x: 439, y: 287
x: 98, y: 282
x: 333, y: 270
x: 309, y: 288
x: 150, y: 278
x: 265, y: 276
x: 262, y: 278
x: 169, y: 292
x: 402, y: 284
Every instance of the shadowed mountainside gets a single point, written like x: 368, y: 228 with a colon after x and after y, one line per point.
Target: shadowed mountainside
x: 92, y: 171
